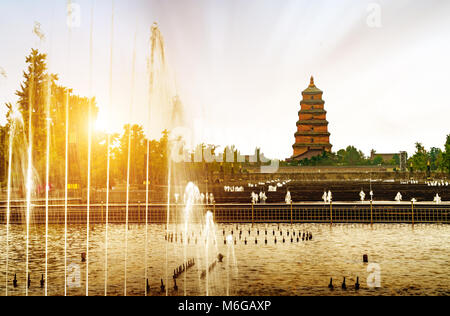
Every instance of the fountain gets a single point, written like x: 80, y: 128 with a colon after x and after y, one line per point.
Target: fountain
x: 108, y: 161
x: 16, y: 120
x: 66, y: 151
x: 231, y: 261
x: 191, y: 220
x: 195, y: 221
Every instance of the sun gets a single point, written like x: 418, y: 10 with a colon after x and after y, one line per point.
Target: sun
x: 103, y: 123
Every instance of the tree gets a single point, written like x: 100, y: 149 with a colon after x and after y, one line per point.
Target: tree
x: 434, y: 157
x: 395, y: 161
x: 445, y: 156
x: 351, y: 156
x: 138, y: 157
x: 420, y: 158
x: 38, y: 90
x: 32, y: 94
x: 378, y: 160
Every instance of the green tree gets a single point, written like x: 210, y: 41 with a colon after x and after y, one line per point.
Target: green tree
x: 395, y: 161
x: 351, y: 156
x: 138, y: 157
x: 434, y: 157
x: 420, y: 158
x: 38, y: 90
x: 32, y: 97
x: 445, y: 156
x: 378, y: 160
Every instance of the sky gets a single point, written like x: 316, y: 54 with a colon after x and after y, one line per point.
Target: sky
x: 239, y: 66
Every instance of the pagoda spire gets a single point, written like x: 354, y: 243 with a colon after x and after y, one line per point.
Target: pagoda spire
x: 312, y: 137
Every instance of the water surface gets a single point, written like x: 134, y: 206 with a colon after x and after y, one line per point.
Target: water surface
x: 412, y: 260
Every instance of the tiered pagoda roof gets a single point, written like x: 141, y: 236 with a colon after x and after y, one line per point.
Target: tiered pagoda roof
x: 312, y: 136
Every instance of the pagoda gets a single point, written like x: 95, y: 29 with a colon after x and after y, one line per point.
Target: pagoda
x: 312, y: 137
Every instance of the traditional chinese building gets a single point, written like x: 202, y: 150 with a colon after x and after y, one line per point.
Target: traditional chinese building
x: 312, y: 137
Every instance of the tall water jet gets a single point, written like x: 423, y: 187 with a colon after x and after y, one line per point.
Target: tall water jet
x: 48, y: 99
x: 66, y: 153
x: 164, y: 112
x: 191, y: 196
x: 231, y: 262
x: 47, y: 174
x: 88, y: 201
x: 66, y: 191
x: 107, y: 213
x: 14, y: 118
x: 108, y: 154
x: 229, y: 245
x: 208, y: 230
x: 29, y: 180
x: 153, y: 64
x: 130, y: 130
x: 146, y: 218
x: 196, y: 220
x: 8, y: 205
x: 168, y: 219
x: 159, y: 100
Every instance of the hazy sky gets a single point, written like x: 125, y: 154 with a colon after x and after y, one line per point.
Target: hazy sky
x: 240, y: 65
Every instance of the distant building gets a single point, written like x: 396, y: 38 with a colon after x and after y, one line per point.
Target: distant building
x: 387, y: 157
x: 312, y: 137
